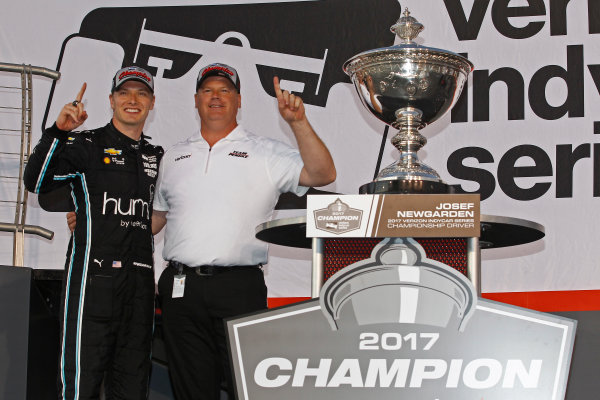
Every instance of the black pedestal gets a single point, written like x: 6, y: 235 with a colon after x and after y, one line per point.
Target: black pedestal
x: 398, y: 186
x: 29, y: 336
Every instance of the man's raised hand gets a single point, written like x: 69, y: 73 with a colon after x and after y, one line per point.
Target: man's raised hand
x: 72, y: 114
x: 291, y: 107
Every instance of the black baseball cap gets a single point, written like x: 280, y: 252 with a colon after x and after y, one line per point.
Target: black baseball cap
x: 218, y: 69
x: 132, y: 73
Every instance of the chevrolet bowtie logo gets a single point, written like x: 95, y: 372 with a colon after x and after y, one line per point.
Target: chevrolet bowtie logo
x: 113, y: 152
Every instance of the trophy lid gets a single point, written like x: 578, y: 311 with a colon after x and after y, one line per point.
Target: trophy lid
x: 407, y: 28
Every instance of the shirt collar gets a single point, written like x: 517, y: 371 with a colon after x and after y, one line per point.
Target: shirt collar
x: 121, y: 137
x: 238, y: 133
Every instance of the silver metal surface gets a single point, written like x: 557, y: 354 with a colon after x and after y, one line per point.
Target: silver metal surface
x: 280, y: 222
x: 318, y: 265
x: 474, y: 263
x: 25, y: 150
x: 19, y: 68
x: 498, y: 219
x: 33, y: 229
x: 408, y: 86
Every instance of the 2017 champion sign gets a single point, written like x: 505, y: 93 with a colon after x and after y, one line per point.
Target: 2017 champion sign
x: 338, y: 218
x: 398, y: 325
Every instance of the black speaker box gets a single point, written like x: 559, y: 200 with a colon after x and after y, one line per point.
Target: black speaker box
x: 29, y: 333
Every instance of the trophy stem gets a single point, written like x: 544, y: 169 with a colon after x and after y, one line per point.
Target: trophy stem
x: 408, y: 138
x: 408, y: 141
x: 408, y: 174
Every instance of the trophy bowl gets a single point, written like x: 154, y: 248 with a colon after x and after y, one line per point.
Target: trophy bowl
x: 408, y: 86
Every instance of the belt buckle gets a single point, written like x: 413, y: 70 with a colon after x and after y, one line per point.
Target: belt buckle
x: 208, y: 270
x: 177, y: 265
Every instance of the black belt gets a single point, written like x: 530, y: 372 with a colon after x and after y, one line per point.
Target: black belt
x: 210, y: 270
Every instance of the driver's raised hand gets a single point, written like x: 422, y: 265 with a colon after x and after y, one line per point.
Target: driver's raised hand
x: 72, y: 114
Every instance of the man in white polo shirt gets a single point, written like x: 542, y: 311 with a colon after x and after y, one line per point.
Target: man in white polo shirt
x: 213, y: 189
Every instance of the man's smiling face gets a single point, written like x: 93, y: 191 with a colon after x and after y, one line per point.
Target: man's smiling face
x: 217, y: 100
x: 131, y: 104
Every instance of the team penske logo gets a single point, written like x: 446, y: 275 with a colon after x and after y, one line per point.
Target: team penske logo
x: 241, y: 154
x: 113, y: 152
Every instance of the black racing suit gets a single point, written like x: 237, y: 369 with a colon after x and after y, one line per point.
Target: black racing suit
x: 108, y: 287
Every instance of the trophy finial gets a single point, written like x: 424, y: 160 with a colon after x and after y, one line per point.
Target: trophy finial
x: 407, y: 28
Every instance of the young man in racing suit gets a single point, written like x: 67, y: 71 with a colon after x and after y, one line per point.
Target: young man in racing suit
x: 108, y: 286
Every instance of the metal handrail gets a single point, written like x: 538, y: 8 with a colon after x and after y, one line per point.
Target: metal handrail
x: 34, y: 229
x: 19, y: 228
x: 21, y: 68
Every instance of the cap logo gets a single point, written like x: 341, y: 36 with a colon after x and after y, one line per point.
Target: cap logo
x: 218, y: 68
x: 136, y: 73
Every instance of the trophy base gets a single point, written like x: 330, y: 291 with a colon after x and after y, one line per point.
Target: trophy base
x: 401, y: 186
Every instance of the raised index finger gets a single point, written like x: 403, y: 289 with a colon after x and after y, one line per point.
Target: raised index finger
x: 278, y: 91
x: 81, y: 92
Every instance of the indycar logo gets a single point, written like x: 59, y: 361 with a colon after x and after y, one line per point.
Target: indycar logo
x: 308, y: 57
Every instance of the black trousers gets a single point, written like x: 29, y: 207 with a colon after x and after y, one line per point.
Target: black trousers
x: 194, y: 330
x: 106, y: 332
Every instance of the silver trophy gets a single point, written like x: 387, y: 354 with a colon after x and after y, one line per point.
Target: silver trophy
x: 408, y: 86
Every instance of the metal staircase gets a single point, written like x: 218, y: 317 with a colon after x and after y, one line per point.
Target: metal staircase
x: 16, y: 101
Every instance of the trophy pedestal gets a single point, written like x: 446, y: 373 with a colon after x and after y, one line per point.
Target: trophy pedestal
x: 332, y: 254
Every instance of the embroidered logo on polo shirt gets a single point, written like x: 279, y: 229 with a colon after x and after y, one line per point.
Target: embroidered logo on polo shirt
x: 241, y: 154
x: 183, y: 157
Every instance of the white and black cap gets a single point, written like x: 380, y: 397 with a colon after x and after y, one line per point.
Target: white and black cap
x: 132, y: 73
x: 218, y: 69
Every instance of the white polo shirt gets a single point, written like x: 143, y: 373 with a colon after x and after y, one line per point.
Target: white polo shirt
x: 215, y: 197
